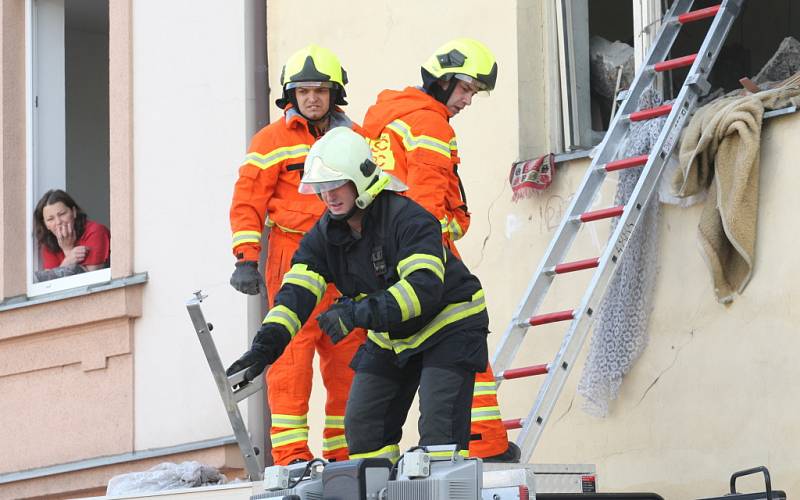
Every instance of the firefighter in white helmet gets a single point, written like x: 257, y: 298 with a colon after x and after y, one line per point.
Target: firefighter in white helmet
x: 424, y: 310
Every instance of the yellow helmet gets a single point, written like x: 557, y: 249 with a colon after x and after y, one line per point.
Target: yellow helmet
x: 313, y: 66
x: 463, y: 58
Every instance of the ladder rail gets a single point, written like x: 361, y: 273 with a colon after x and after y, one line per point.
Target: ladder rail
x: 628, y: 222
x: 567, y: 231
x: 230, y: 398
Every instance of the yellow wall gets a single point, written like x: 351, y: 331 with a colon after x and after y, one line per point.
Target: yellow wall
x: 715, y: 391
x: 722, y: 377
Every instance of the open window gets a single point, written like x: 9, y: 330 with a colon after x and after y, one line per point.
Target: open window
x: 586, y: 97
x: 763, y: 44
x: 68, y: 118
x: 619, y: 30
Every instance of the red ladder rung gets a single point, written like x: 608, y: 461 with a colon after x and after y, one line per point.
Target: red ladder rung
x: 577, y: 265
x: 604, y: 213
x: 514, y: 423
x: 633, y: 161
x: 678, y: 62
x: 528, y: 371
x: 647, y: 114
x: 543, y: 319
x: 698, y: 14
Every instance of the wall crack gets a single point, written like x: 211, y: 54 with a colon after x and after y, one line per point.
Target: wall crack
x: 668, y: 368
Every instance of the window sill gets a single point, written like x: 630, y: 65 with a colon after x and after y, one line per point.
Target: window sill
x: 101, y: 304
x: 25, y: 301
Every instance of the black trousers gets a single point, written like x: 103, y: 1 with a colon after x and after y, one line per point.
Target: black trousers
x: 382, y: 393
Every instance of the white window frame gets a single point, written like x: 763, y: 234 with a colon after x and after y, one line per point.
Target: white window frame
x: 68, y: 282
x: 572, y: 30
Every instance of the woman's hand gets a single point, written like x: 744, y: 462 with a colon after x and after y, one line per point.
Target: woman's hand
x: 75, y: 255
x: 65, y: 235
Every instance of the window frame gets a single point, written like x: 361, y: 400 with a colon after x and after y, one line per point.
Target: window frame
x: 35, y: 289
x: 572, y: 30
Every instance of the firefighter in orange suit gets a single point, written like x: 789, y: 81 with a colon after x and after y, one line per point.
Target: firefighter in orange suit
x: 411, y: 137
x: 313, y: 86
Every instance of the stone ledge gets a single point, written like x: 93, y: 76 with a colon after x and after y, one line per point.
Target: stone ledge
x: 93, y: 480
x: 118, y: 299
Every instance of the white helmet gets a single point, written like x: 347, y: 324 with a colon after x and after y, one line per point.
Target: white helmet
x: 342, y: 155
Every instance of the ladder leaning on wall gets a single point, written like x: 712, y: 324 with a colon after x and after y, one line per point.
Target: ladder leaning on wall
x: 607, y: 159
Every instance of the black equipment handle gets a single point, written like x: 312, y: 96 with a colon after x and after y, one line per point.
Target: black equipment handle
x: 747, y: 472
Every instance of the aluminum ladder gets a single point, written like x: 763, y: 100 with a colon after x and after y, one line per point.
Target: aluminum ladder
x: 230, y: 396
x: 608, y: 159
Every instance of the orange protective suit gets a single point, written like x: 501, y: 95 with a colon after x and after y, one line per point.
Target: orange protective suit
x: 411, y: 138
x: 267, y: 185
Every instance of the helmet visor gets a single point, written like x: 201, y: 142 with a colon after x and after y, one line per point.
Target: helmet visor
x: 321, y: 187
x: 475, y: 85
x: 325, y: 85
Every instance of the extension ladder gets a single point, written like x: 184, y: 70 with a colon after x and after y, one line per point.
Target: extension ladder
x: 607, y: 159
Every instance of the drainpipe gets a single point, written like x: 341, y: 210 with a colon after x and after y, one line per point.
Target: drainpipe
x: 257, y: 116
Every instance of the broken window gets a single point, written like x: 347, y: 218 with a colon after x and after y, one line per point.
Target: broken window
x: 763, y: 45
x: 600, y: 42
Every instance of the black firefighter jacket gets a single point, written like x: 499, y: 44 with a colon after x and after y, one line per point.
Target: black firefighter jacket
x: 411, y: 292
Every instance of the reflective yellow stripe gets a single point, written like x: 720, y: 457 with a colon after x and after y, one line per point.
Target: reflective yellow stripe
x: 447, y: 455
x: 449, y: 315
x: 455, y: 230
x: 484, y: 389
x: 289, y: 421
x: 380, y: 338
x: 453, y: 145
x: 300, y: 275
x: 334, y: 443
x: 288, y: 437
x: 283, y: 316
x: 420, y: 261
x: 240, y: 237
x: 392, y: 452
x: 334, y: 421
x: 445, y: 224
x: 485, y: 413
x: 411, y: 141
x: 407, y: 299
x: 276, y: 155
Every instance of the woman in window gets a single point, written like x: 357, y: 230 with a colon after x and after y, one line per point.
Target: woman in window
x: 69, y: 242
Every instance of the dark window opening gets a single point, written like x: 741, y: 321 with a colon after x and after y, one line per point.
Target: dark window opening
x: 754, y: 38
x: 86, y: 105
x: 610, y: 26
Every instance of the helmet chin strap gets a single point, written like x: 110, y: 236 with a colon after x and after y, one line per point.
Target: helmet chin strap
x: 342, y: 217
x: 331, y: 106
x: 441, y: 94
x: 345, y: 216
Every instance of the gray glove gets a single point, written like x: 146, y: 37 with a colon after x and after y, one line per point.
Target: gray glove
x: 246, y: 278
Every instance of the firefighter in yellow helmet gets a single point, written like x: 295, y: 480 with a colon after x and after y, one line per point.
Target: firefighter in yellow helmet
x: 313, y: 83
x: 412, y: 138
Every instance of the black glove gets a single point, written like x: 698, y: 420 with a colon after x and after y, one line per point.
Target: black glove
x: 339, y: 320
x: 268, y: 345
x: 246, y: 278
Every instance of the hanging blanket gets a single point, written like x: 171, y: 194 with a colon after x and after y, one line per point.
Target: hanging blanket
x: 720, y: 150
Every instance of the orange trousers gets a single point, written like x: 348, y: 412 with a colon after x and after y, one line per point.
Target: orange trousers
x: 488, y: 436
x: 289, y: 379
